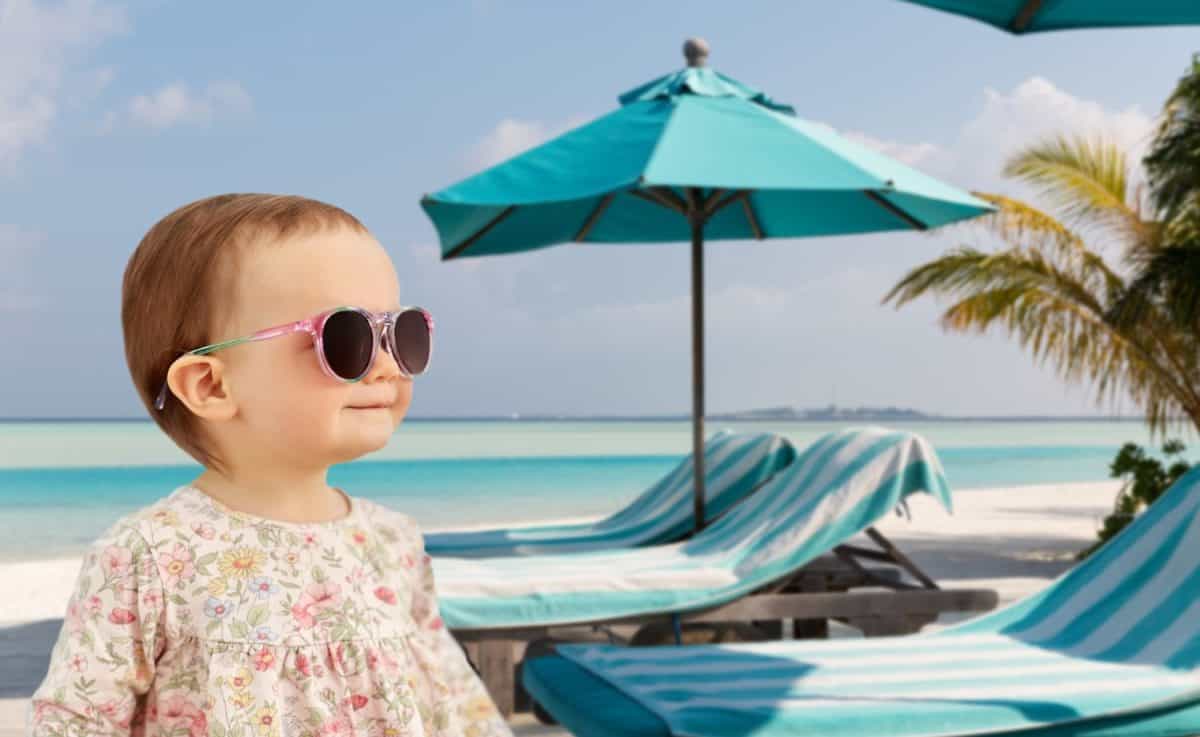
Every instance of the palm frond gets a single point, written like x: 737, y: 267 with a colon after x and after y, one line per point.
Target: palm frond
x: 1173, y: 162
x: 1058, y: 317
x: 1168, y: 279
x: 1019, y: 224
x: 1087, y: 180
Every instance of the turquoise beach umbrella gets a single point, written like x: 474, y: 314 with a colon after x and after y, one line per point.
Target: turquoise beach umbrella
x: 1032, y: 16
x: 690, y: 156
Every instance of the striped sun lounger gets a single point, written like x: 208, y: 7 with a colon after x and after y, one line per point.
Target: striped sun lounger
x: 1110, y: 649
x: 837, y: 487
x: 736, y: 464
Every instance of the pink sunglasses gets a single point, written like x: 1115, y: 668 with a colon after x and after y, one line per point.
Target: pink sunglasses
x: 347, y: 339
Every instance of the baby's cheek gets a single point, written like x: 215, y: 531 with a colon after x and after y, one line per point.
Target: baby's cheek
x: 300, y: 416
x: 280, y: 382
x: 302, y: 409
x: 403, y: 401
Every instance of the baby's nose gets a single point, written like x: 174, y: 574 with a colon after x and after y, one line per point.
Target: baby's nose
x: 385, y: 365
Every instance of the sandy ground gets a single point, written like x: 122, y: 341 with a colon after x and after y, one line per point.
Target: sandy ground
x: 1014, y: 540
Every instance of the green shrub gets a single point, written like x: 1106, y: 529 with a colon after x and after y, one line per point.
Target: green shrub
x: 1146, y: 478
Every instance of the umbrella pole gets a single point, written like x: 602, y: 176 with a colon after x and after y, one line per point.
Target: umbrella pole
x: 696, y: 220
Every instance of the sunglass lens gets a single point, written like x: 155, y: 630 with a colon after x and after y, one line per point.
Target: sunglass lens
x: 347, y: 341
x: 411, y: 341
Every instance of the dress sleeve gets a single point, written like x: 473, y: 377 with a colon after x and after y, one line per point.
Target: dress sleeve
x: 112, y: 634
x: 476, y: 711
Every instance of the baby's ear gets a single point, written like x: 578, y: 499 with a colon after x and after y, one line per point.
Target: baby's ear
x: 198, y: 383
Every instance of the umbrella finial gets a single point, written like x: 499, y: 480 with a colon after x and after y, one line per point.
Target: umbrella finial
x: 695, y: 50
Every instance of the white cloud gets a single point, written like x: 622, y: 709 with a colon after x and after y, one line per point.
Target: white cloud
x: 38, y: 44
x: 1035, y: 110
x: 913, y: 154
x: 176, y: 104
x: 511, y: 136
x: 1009, y: 121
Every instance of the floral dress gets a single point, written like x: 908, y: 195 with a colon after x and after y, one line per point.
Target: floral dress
x: 190, y: 618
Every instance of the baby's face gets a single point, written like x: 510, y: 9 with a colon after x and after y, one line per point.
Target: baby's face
x: 288, y: 407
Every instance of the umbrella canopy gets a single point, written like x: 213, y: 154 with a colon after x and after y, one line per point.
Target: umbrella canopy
x: 1031, y: 16
x: 689, y: 156
x: 610, y: 181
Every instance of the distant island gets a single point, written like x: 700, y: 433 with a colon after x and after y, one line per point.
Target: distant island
x: 832, y: 412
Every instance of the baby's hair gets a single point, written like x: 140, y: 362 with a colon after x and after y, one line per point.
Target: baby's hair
x: 178, y: 286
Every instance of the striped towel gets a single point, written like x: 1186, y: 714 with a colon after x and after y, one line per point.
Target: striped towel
x: 735, y: 465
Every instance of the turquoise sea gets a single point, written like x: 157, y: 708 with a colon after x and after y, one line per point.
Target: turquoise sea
x: 63, y: 483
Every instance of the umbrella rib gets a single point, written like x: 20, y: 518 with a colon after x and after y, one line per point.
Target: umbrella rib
x: 752, y: 217
x: 601, y: 206
x: 1024, y: 19
x: 457, y: 250
x: 651, y: 195
x: 712, y: 197
x: 670, y: 196
x: 882, y: 202
x: 710, y: 209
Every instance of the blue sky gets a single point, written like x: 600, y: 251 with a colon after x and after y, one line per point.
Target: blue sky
x: 112, y: 115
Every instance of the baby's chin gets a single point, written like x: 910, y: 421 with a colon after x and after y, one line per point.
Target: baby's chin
x: 362, y: 431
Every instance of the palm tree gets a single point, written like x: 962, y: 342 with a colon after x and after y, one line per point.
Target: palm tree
x: 1170, y: 274
x: 1057, y: 295
x: 1173, y: 164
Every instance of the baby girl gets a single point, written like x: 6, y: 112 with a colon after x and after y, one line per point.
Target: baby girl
x: 265, y: 335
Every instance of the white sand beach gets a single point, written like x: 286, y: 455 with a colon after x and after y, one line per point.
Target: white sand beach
x: 1014, y: 540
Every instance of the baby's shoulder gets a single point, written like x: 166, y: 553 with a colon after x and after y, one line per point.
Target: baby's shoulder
x: 144, y: 527
x: 390, y: 523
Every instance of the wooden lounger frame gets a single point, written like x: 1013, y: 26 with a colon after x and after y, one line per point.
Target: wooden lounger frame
x: 807, y: 599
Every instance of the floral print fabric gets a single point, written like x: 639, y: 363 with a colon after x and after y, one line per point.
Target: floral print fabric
x: 190, y: 618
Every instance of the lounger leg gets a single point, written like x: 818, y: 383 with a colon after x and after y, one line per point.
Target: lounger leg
x: 522, y: 701
x: 497, y: 668
x: 810, y: 629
